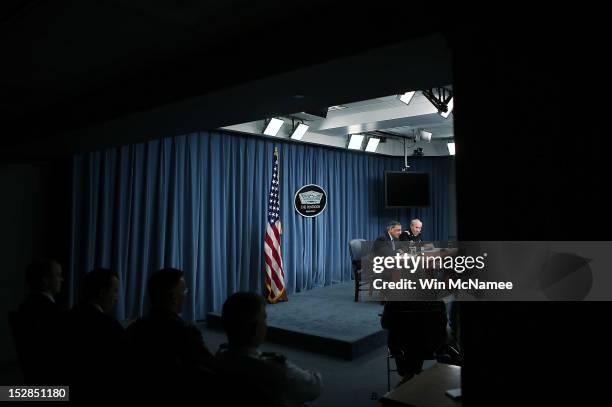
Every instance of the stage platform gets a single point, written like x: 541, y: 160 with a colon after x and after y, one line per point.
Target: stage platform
x: 325, y: 320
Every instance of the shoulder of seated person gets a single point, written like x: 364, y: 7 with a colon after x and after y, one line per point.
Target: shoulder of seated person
x: 191, y: 329
x: 273, y: 356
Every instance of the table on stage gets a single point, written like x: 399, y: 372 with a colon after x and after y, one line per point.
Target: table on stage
x: 427, y: 388
x: 433, y: 252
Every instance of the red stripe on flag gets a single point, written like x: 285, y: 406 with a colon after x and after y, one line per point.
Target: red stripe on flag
x: 276, y: 233
x: 274, y: 253
x: 275, y: 277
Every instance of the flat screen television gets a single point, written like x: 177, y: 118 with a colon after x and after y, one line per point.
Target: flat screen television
x: 406, y: 189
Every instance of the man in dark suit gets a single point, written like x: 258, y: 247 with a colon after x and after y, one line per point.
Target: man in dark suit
x: 38, y: 323
x: 168, y: 352
x: 388, y: 243
x: 97, y: 341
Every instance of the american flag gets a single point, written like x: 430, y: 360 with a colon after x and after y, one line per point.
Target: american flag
x: 275, y: 276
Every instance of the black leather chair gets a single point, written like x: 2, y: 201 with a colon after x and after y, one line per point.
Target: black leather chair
x: 416, y: 331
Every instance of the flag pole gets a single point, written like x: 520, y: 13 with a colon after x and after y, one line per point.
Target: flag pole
x: 280, y: 224
x: 283, y: 294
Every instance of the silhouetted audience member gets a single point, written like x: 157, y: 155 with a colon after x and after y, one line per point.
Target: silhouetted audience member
x: 170, y: 357
x: 416, y: 330
x: 97, y: 341
x: 261, y: 378
x: 39, y: 322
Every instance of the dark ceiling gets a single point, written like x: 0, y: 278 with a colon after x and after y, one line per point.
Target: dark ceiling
x: 70, y: 64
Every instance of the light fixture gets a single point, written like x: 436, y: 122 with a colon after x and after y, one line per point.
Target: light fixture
x: 449, y: 109
x: 355, y: 141
x: 273, y: 126
x: 451, y: 148
x: 372, y: 144
x: 426, y: 136
x: 407, y: 97
x: 299, y: 131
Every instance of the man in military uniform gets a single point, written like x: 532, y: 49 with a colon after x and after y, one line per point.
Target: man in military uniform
x: 413, y: 234
x: 414, y: 237
x: 263, y: 378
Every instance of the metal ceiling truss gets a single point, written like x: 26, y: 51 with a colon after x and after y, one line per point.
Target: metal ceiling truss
x: 439, y: 97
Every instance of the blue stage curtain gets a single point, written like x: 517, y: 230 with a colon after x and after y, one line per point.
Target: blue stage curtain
x: 198, y: 203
